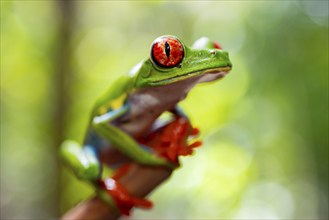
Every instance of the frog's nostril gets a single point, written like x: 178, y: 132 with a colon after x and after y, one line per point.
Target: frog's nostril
x: 213, y: 52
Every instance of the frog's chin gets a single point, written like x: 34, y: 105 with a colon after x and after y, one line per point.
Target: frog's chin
x: 213, y: 75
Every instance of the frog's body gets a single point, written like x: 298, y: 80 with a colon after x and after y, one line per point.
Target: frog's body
x: 147, y: 104
x: 130, y: 108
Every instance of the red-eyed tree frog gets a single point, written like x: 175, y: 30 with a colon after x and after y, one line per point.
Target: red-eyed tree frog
x: 132, y: 106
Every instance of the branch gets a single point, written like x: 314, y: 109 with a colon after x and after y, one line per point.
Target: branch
x: 170, y: 142
x: 139, y: 181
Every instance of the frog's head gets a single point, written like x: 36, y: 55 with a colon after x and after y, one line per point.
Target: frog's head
x: 171, y: 61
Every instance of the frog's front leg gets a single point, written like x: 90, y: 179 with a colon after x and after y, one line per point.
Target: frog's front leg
x: 178, y: 112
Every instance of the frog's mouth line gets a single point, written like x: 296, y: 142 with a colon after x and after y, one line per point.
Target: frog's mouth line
x: 219, y: 71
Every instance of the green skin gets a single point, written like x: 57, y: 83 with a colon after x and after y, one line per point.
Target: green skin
x: 133, y: 104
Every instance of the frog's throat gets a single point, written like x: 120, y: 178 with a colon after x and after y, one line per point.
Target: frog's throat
x: 221, y: 71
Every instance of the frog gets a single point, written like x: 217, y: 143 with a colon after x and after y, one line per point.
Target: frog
x: 133, y: 105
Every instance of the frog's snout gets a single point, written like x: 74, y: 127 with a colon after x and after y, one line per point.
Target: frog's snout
x: 225, y: 54
x: 220, y: 55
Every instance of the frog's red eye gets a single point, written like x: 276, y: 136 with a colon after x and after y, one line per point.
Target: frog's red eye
x: 167, y: 52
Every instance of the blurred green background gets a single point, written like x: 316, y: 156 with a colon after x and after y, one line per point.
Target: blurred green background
x: 265, y: 126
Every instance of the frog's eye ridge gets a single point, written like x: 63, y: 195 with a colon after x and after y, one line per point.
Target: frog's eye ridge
x: 167, y: 52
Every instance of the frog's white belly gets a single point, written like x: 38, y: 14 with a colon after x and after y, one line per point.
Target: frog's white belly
x: 147, y: 104
x: 145, y: 108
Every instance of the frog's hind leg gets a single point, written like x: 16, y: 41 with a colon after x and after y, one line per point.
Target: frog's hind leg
x: 122, y: 198
x: 82, y: 161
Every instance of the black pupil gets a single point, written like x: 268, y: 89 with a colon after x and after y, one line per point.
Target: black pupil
x: 167, y: 49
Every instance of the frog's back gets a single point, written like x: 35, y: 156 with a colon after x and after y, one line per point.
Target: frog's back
x: 115, y: 97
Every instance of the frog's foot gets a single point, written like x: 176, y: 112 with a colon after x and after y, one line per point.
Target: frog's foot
x: 177, y: 138
x: 188, y: 149
x: 183, y: 139
x: 124, y: 201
